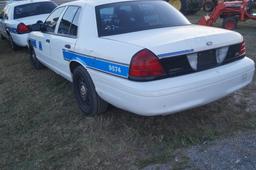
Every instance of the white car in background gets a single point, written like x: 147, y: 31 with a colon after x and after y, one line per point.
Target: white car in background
x: 26, y: 12
x: 142, y: 56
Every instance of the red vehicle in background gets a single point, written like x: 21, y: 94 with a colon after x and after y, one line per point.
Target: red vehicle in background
x: 231, y: 12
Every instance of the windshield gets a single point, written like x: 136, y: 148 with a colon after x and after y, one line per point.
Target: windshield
x: 126, y: 17
x: 38, y: 8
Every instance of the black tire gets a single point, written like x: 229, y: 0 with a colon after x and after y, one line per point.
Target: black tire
x: 190, y: 7
x: 88, y: 100
x: 2, y: 37
x: 250, y: 6
x: 34, y: 61
x: 230, y: 23
x: 14, y: 46
x: 208, y: 6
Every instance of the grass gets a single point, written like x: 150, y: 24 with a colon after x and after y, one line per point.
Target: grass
x: 41, y: 126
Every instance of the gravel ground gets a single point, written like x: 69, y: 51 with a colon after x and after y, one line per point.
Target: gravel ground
x: 237, y: 152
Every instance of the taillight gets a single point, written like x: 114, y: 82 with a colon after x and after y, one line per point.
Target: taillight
x: 242, y: 49
x: 145, y: 66
x: 22, y: 28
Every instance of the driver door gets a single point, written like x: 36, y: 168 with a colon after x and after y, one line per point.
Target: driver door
x: 45, y: 39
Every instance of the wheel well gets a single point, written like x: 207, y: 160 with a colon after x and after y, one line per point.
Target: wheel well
x: 73, y: 65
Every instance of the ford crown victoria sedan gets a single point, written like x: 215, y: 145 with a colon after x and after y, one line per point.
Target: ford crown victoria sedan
x: 27, y: 12
x: 142, y: 56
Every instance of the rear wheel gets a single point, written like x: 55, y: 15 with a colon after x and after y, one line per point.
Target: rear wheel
x: 34, y: 61
x: 88, y: 100
x: 13, y: 44
x: 230, y: 23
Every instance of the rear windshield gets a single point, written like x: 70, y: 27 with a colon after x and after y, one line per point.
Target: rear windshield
x: 32, y: 9
x: 126, y: 17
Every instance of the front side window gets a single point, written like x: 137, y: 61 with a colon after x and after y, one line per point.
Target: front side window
x: 52, y: 20
x: 68, y: 24
x: 33, y: 9
x: 126, y: 17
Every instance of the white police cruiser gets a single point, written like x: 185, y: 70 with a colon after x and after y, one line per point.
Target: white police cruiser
x: 142, y: 56
x: 26, y: 12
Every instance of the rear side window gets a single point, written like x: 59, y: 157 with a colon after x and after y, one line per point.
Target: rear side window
x: 69, y: 22
x: 74, y: 26
x: 32, y: 9
x: 125, y: 17
x: 52, y: 20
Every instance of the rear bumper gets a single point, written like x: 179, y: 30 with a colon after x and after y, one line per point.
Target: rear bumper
x: 174, y: 94
x: 20, y: 39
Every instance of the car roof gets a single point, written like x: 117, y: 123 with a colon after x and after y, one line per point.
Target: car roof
x: 94, y: 2
x: 24, y: 2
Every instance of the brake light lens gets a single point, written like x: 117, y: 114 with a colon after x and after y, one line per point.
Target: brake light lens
x: 242, y: 49
x: 22, y: 28
x: 145, y: 66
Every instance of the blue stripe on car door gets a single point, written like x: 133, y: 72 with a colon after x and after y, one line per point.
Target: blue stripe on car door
x: 106, y: 66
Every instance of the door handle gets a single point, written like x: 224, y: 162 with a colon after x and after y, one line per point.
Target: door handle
x: 67, y: 46
x: 48, y: 41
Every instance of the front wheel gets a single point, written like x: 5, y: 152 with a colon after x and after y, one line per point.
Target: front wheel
x: 230, y: 23
x: 88, y: 100
x: 34, y: 61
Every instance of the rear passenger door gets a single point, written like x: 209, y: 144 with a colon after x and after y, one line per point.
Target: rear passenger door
x: 65, y: 38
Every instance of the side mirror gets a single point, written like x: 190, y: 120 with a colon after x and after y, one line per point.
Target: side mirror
x: 43, y: 27
x: 38, y: 26
x: 35, y: 27
x: 39, y: 22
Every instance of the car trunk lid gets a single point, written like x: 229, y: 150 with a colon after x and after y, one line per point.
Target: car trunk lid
x: 32, y: 19
x: 172, y: 41
x: 187, y: 49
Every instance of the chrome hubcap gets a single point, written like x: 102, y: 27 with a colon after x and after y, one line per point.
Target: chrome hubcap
x: 83, y: 91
